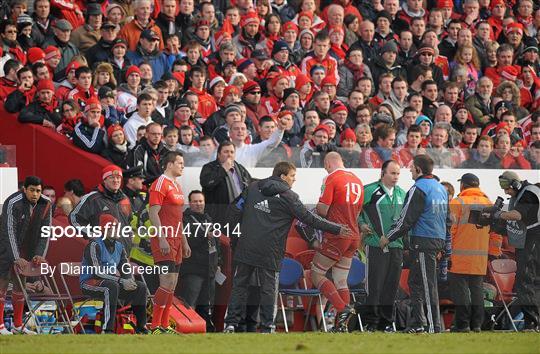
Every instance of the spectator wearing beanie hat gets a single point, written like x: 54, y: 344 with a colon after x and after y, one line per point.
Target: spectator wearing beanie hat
x: 69, y: 83
x: 117, y: 148
x: 111, y: 113
x: 498, y: 11
x: 339, y: 114
x: 247, y: 67
x: 35, y: 54
x: 291, y: 103
x: 349, y: 149
x: 88, y: 134
x: 251, y: 98
x: 280, y: 58
x: 107, y: 196
x: 250, y: 38
x: 304, y: 86
x: 313, y: 152
x: 128, y: 91
x: 52, y: 58
x: 44, y: 109
x: 273, y: 101
x: 24, y: 27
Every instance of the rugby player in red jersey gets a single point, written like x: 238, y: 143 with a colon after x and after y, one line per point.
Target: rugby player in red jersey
x: 168, y: 248
x: 340, y: 202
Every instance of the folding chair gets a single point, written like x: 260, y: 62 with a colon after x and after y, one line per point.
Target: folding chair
x: 81, y: 299
x: 503, y: 273
x: 35, y: 301
x: 290, y: 275
x: 355, y: 282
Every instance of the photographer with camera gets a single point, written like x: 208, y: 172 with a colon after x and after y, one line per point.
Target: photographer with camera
x: 468, y: 262
x: 523, y: 228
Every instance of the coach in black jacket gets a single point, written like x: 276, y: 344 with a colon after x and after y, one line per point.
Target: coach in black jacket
x: 24, y: 215
x: 269, y: 210
x: 222, y: 181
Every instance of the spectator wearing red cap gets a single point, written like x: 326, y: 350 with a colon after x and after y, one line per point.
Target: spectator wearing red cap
x: 52, y: 58
x: 249, y: 39
x: 273, y: 101
x: 70, y: 81
x: 61, y: 39
x: 117, y: 149
x: 498, y: 11
x: 514, y: 36
x: 338, y: 47
x: 35, y: 54
x: 339, y: 114
x: 88, y: 134
x: 251, y: 98
x: 132, y: 30
x: 109, y: 197
x: 348, y: 149
x: 314, y: 150
x: 44, y: 109
x: 128, y: 91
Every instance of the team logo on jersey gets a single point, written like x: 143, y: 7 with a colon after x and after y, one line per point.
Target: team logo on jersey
x: 263, y: 206
x: 105, y: 208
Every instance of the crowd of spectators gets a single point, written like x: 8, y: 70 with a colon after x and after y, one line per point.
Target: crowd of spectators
x: 458, y: 80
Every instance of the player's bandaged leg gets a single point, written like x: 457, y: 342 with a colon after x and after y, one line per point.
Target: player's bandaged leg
x: 321, y: 264
x: 18, y: 308
x: 161, y: 298
x: 340, y: 272
x: 166, y: 311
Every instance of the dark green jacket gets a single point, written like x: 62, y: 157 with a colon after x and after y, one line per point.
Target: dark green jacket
x: 380, y: 212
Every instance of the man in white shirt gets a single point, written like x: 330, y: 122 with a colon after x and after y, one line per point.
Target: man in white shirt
x: 145, y: 107
x: 249, y: 154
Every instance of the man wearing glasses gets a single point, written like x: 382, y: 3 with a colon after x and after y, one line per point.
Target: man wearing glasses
x: 252, y: 99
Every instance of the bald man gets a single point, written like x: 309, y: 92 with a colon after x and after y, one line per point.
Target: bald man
x: 341, y: 202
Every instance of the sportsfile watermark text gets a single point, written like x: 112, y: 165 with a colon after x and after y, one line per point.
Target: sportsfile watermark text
x: 126, y: 231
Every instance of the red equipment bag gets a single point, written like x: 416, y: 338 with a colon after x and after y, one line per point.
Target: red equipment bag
x: 185, y: 319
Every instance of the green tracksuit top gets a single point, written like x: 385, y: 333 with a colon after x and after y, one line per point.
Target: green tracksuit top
x: 380, y: 211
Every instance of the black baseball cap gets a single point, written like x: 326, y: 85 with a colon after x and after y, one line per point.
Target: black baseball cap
x: 470, y: 179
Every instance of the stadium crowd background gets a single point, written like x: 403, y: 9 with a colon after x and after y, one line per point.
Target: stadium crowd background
x: 283, y: 81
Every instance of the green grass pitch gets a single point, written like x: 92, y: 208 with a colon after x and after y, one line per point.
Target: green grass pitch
x: 359, y: 343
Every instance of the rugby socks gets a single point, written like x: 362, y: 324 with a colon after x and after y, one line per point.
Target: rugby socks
x: 166, y: 311
x: 345, y: 295
x: 160, y: 302
x: 18, y: 308
x: 328, y: 289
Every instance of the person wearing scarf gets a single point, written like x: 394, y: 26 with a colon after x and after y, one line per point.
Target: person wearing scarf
x: 351, y: 70
x: 44, y: 109
x: 117, y: 149
x: 24, y: 95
